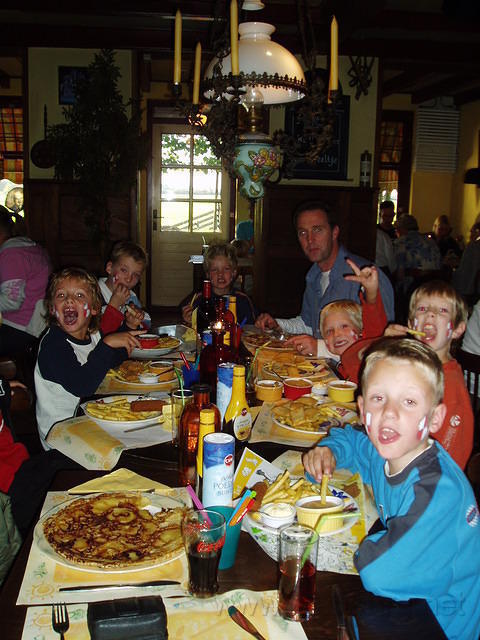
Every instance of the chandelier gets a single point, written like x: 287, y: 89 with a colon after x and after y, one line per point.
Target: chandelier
x: 246, y: 77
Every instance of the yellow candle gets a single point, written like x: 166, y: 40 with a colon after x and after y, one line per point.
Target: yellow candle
x: 177, y: 59
x: 234, y: 36
x: 196, y: 73
x: 333, y: 84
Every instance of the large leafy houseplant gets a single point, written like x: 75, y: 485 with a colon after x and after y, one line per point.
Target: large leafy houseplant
x: 100, y: 145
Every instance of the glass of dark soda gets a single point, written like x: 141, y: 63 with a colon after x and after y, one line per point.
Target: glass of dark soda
x: 297, y: 561
x: 203, y: 536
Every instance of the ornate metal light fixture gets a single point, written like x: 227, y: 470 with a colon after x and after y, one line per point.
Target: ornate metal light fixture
x: 239, y: 84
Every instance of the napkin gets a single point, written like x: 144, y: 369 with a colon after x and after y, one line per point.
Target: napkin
x: 121, y: 480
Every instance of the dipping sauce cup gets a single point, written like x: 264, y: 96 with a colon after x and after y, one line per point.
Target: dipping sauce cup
x: 296, y: 387
x: 342, y: 391
x: 203, y: 535
x: 297, y: 559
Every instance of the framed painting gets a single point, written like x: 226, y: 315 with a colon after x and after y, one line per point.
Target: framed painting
x: 67, y: 82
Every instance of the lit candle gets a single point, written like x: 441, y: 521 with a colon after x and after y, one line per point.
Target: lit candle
x: 234, y: 36
x: 177, y: 59
x: 333, y: 84
x: 196, y: 73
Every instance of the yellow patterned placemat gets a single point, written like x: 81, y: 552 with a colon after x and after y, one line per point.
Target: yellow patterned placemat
x: 84, y: 441
x: 44, y: 576
x: 111, y: 385
x: 187, y: 618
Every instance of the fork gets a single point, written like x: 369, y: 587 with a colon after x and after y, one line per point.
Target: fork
x: 60, y: 621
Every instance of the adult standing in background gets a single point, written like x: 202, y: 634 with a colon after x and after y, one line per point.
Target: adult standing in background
x: 413, y: 251
x: 245, y: 231
x: 448, y: 247
x: 386, y: 216
x: 466, y: 277
x: 24, y: 271
x: 318, y: 232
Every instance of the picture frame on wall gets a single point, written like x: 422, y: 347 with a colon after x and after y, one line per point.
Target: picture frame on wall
x: 333, y: 162
x: 67, y: 82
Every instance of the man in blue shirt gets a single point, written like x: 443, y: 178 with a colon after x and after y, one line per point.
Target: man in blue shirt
x: 318, y: 232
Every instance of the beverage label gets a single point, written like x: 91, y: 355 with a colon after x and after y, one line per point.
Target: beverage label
x: 218, y: 467
x: 242, y: 425
x: 224, y: 386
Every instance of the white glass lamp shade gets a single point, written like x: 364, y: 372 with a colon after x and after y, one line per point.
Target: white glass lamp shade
x: 258, y: 54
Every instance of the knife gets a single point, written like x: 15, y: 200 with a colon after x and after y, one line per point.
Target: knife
x: 120, y: 585
x: 245, y: 624
x: 339, y: 612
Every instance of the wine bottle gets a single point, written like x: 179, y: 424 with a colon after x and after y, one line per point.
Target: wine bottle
x: 223, y: 320
x: 212, y: 355
x: 238, y: 419
x: 188, y: 433
x: 206, y: 309
x: 207, y: 425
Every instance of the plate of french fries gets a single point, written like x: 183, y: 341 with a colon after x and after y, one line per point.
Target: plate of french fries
x: 129, y: 371
x: 299, y: 367
x: 116, y: 411
x: 286, y: 489
x: 306, y: 415
x: 164, y: 345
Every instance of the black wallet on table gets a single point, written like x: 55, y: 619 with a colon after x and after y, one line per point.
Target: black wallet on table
x: 128, y: 619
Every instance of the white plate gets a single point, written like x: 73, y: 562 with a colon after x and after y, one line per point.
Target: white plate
x: 329, y: 423
x: 268, y: 537
x: 157, y: 502
x: 122, y: 424
x: 160, y: 383
x: 150, y: 354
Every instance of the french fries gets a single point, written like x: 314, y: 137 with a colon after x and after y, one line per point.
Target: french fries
x: 304, y: 414
x: 282, y: 491
x: 117, y: 411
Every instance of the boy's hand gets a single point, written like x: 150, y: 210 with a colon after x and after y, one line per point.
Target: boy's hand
x: 187, y: 311
x: 125, y: 340
x: 305, y: 345
x: 265, y: 321
x: 120, y: 295
x: 134, y: 316
x: 367, y: 277
x: 395, y: 330
x: 319, y: 461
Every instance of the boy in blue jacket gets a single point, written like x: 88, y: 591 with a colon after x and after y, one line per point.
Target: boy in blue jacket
x: 430, y: 545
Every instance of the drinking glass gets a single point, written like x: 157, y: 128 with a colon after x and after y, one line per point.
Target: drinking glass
x: 179, y: 398
x: 297, y: 559
x: 203, y: 536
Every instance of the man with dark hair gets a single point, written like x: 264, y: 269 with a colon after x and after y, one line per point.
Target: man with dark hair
x: 317, y: 231
x: 387, y: 214
x: 24, y: 270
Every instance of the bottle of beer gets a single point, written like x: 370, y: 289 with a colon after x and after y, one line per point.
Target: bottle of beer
x: 206, y: 308
x: 238, y: 419
x: 207, y: 425
x: 188, y: 433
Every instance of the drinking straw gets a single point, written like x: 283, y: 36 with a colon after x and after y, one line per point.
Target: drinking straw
x: 241, y: 503
x: 254, y: 358
x: 318, y: 526
x: 185, y: 361
x: 197, y: 362
x: 180, y: 381
x: 243, y: 322
x: 197, y: 502
x: 238, y: 518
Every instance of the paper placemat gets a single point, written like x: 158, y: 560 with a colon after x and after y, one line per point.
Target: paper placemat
x: 265, y: 430
x: 43, y: 576
x: 111, y: 385
x: 84, y: 441
x: 187, y: 618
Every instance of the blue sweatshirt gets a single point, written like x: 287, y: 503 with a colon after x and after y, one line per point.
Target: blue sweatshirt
x: 430, y: 547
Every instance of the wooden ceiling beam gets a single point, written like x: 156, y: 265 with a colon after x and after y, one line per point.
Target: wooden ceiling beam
x: 403, y: 81
x: 448, y: 87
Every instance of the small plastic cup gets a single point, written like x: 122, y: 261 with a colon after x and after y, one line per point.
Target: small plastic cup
x: 232, y: 536
x: 190, y: 376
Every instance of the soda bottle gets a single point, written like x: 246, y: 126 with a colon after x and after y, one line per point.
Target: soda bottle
x: 206, y: 309
x: 188, y: 433
x: 207, y: 425
x: 212, y: 355
x: 238, y: 419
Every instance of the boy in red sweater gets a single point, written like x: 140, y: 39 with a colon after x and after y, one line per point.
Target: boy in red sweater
x: 439, y: 315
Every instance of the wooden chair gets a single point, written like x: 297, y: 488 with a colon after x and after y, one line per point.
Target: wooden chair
x: 470, y: 364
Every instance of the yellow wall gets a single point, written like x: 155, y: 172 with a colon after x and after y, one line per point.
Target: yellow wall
x: 43, y: 66
x: 15, y: 88
x: 466, y: 197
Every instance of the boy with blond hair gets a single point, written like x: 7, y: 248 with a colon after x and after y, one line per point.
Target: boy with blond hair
x: 430, y: 543
x: 438, y: 315
x: 122, y: 308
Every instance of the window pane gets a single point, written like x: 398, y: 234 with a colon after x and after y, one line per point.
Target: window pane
x: 175, y: 184
x: 391, y: 142
x: 176, y: 149
x: 174, y: 216
x: 206, y: 216
x: 203, y: 154
x: 206, y: 184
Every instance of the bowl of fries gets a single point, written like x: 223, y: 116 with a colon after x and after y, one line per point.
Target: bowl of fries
x: 312, y: 508
x: 115, y: 411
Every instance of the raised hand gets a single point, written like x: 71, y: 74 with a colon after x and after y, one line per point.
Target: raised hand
x: 134, y: 316
x: 266, y: 321
x: 124, y: 339
x: 319, y: 461
x: 305, y: 345
x: 395, y: 330
x: 367, y: 277
x: 120, y: 295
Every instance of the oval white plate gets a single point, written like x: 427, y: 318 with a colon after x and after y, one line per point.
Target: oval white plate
x: 122, y: 424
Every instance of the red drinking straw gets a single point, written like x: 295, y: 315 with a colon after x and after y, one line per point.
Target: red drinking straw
x: 185, y: 361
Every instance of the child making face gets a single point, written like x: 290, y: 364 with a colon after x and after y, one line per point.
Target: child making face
x: 73, y: 358
x: 124, y: 268
x: 439, y: 314
x: 426, y: 505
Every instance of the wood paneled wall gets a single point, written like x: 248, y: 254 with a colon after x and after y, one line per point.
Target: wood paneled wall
x: 280, y: 265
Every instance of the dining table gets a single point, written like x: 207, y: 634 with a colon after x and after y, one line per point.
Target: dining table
x: 377, y: 618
